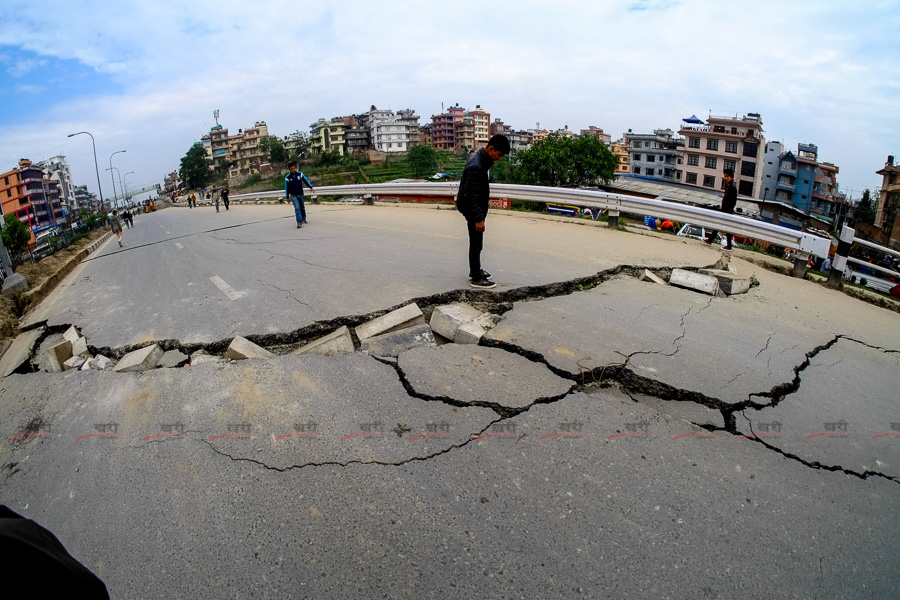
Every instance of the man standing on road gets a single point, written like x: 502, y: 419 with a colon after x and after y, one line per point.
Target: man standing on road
x: 293, y: 189
x: 225, y: 197
x: 472, y: 202
x: 729, y: 200
x: 115, y: 223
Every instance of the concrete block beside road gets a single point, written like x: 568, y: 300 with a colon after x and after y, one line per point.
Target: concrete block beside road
x: 14, y: 284
x: 474, y: 330
x: 102, y: 363
x: 71, y: 334
x: 19, y: 351
x: 695, y: 281
x: 402, y: 318
x: 337, y: 342
x: 447, y: 319
x: 653, y: 277
x: 173, y: 358
x: 140, y: 360
x: 729, y: 282
x: 202, y: 356
x: 75, y: 362
x: 80, y: 348
x: 242, y: 349
x: 395, y: 342
x: 59, y: 354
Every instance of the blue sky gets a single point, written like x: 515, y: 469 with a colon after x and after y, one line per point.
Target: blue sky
x: 146, y: 77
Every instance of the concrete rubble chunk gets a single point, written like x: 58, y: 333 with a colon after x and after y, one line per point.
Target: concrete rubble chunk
x: 73, y: 363
x: 402, y: 318
x: 242, y: 349
x: 447, y: 319
x: 695, y: 281
x: 202, y: 356
x: 649, y: 275
x: 88, y: 364
x: 173, y: 358
x: 337, y: 342
x: 102, y: 363
x: 14, y: 284
x: 395, y: 342
x: 472, y: 332
x: 80, y: 348
x: 140, y: 360
x: 71, y: 334
x: 19, y: 351
x: 59, y: 354
x: 730, y: 283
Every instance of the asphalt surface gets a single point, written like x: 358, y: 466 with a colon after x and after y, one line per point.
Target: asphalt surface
x: 610, y: 438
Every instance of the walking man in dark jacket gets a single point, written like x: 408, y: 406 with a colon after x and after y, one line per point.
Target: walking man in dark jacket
x: 293, y: 189
x: 472, y: 202
x: 729, y: 200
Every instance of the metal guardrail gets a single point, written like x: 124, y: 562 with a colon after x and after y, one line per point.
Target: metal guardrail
x: 804, y: 243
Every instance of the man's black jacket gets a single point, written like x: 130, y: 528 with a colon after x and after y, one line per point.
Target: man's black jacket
x: 472, y: 199
x: 729, y: 199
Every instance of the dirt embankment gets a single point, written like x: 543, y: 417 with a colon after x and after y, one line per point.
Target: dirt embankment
x: 42, y: 277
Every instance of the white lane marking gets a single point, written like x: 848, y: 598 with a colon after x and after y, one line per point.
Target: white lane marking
x: 178, y: 245
x: 229, y: 291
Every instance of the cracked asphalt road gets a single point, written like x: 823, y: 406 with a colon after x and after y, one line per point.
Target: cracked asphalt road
x: 610, y: 438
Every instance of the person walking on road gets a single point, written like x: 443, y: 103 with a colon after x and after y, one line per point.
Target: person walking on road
x: 293, y: 189
x: 729, y: 200
x: 115, y: 223
x: 225, y: 197
x: 216, y: 196
x: 472, y: 202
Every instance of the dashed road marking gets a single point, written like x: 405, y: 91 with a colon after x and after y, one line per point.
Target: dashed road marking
x: 226, y: 289
x: 178, y: 245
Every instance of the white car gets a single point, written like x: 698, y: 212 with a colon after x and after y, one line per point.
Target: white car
x: 699, y: 232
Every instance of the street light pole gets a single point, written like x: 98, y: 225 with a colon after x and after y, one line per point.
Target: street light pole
x: 125, y: 189
x: 116, y: 169
x: 96, y: 166
x: 115, y: 197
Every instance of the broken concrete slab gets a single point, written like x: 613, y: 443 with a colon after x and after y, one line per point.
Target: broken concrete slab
x: 337, y: 342
x: 58, y: 354
x: 649, y: 275
x: 395, y: 342
x: 71, y: 334
x: 102, y: 363
x: 477, y: 374
x: 729, y: 282
x: 173, y: 358
x: 19, y: 351
x: 14, y: 284
x: 202, y: 356
x: 474, y: 330
x: 402, y: 318
x: 706, y: 284
x: 140, y: 360
x: 80, y: 348
x: 447, y: 319
x: 241, y: 348
x: 684, y: 410
x: 75, y: 362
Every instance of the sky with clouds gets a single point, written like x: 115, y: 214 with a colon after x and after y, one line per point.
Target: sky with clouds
x: 145, y: 77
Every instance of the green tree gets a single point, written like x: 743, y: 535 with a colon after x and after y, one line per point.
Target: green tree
x: 195, y: 167
x: 299, y: 145
x: 274, y: 149
x: 559, y: 161
x: 422, y: 160
x: 327, y: 159
x: 15, y: 235
x: 865, y: 211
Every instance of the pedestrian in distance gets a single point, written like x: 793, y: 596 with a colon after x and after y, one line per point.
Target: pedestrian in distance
x: 729, y: 201
x: 472, y: 201
x: 293, y: 189
x: 216, y: 196
x: 125, y: 219
x: 225, y: 197
x: 115, y: 223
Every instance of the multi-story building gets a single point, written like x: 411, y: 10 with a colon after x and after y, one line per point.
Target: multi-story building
x: 390, y: 132
x: 519, y: 140
x: 722, y: 143
x: 358, y: 135
x: 538, y: 134
x: 443, y: 128
x: 802, y: 181
x: 655, y: 154
x: 34, y: 199
x: 83, y: 199
x: 465, y: 133
x: 498, y: 127
x: 425, y: 138
x: 57, y: 169
x: 327, y: 136
x: 620, y: 149
x: 218, y: 147
x: 596, y: 132
x: 887, y: 215
x: 481, y: 122
x: 771, y: 160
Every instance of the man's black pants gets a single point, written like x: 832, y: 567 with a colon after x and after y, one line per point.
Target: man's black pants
x: 476, y: 243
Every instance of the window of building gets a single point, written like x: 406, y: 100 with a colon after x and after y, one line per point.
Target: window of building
x: 711, y: 162
x: 748, y: 168
x: 636, y: 170
x: 718, y: 129
x: 750, y: 149
x: 636, y: 157
x: 693, y: 160
x: 728, y: 164
x: 731, y: 147
x: 9, y: 193
x: 693, y: 142
x: 709, y: 181
x: 690, y: 178
x: 745, y: 188
x: 712, y: 144
x: 787, y: 166
x: 651, y: 158
x: 734, y: 130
